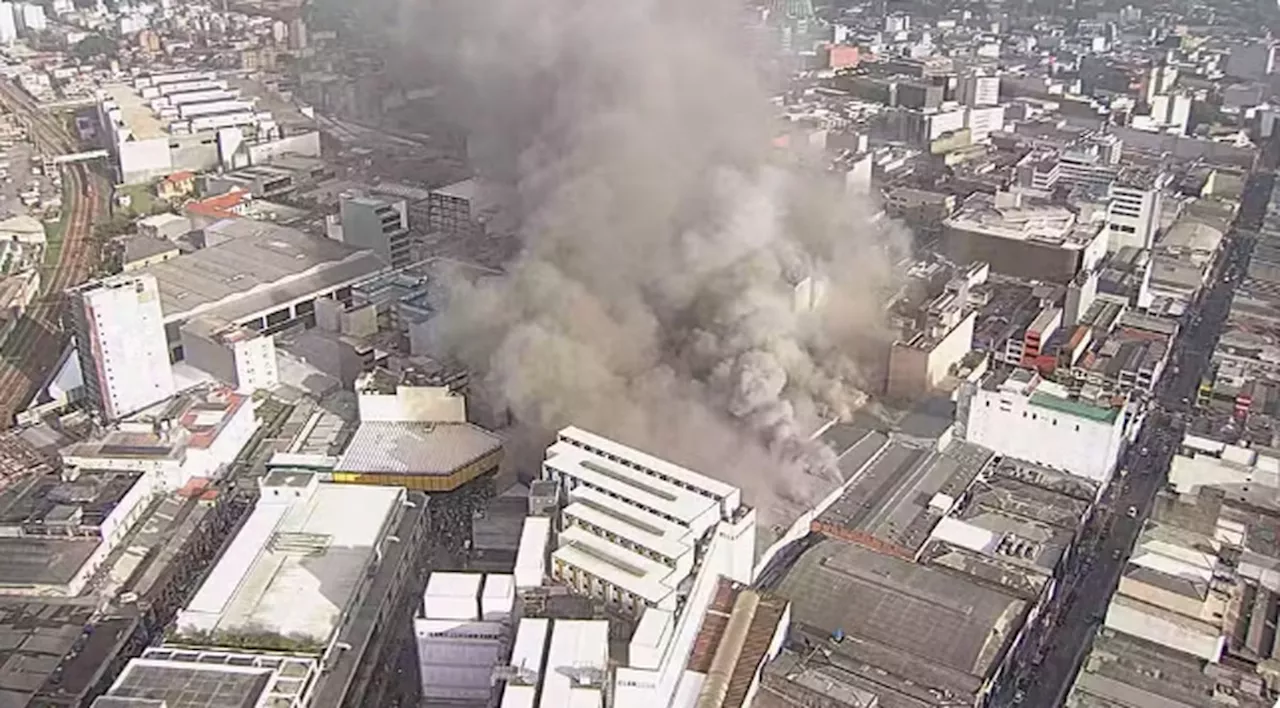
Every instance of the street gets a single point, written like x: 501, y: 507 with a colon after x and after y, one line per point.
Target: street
x: 1048, y: 659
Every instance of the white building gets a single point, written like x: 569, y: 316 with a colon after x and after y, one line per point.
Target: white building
x: 8, y: 23
x: 460, y: 638
x: 557, y: 663
x: 1133, y: 215
x: 32, y: 18
x: 1020, y: 415
x: 198, y: 435
x: 983, y: 121
x: 120, y: 337
x: 975, y: 91
x: 385, y: 397
x: 633, y: 520
x: 649, y: 538
x: 238, y: 356
x: 191, y: 120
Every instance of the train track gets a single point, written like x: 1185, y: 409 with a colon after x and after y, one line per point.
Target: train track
x: 36, y: 343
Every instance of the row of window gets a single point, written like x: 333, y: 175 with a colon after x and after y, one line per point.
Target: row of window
x: 624, y: 542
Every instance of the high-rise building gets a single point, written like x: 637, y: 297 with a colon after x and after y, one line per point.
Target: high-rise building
x: 120, y: 339
x: 32, y: 18
x: 1133, y: 214
x: 8, y: 25
x: 379, y: 225
x: 975, y: 91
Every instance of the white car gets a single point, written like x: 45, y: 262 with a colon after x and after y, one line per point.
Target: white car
x: 1133, y: 512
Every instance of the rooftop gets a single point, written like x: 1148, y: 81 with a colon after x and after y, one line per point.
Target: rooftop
x: 40, y: 641
x: 906, y: 619
x: 891, y: 501
x: 416, y: 448
x: 294, y: 567
x: 257, y: 267
x: 1125, y: 671
x: 1021, y: 221
x: 136, y: 115
x: 210, y: 679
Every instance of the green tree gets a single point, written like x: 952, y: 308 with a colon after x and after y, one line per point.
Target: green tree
x: 94, y: 46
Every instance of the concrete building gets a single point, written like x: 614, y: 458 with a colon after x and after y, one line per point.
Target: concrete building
x: 1133, y: 213
x: 258, y: 275
x: 925, y: 353
x: 975, y: 90
x: 452, y: 209
x: 31, y: 18
x: 1021, y: 415
x: 380, y: 226
x: 463, y: 632
x: 1021, y: 237
x: 8, y: 23
x: 57, y: 531
x: 408, y: 397
x: 237, y: 356
x: 120, y: 335
x: 983, y: 121
x: 198, y: 434
x: 193, y: 120
x: 326, y: 574
x: 429, y: 456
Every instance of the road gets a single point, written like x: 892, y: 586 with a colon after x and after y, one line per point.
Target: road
x: 36, y: 343
x: 1048, y: 660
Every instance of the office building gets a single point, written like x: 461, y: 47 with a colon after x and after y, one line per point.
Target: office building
x: 937, y: 340
x: 380, y: 226
x: 976, y: 91
x: 120, y: 338
x: 1133, y: 214
x: 1019, y: 414
x: 452, y: 209
x: 8, y: 23
x: 31, y: 18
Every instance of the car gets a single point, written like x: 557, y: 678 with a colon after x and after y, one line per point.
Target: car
x: 1133, y: 512
x: 1144, y: 451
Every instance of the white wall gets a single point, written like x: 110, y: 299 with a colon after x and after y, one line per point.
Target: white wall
x: 456, y: 657
x: 1008, y: 424
x: 143, y: 160
x: 304, y: 144
x: 256, y: 364
x: 428, y: 404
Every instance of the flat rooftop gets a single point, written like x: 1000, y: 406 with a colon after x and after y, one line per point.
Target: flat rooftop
x: 38, y: 639
x: 1121, y: 670
x: 906, y: 619
x: 1046, y: 224
x: 890, y: 501
x: 136, y: 115
x: 255, y: 267
x: 294, y: 567
x: 416, y: 448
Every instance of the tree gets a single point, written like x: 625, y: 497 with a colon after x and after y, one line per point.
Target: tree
x: 94, y: 46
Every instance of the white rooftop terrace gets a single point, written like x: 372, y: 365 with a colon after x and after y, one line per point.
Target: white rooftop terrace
x: 296, y: 564
x: 637, y: 526
x: 643, y: 577
x: 579, y: 648
x: 668, y: 471
x: 648, y: 492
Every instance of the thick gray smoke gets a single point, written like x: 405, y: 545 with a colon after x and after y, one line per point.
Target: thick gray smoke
x: 670, y: 257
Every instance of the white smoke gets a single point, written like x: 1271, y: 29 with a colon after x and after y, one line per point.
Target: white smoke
x: 656, y: 299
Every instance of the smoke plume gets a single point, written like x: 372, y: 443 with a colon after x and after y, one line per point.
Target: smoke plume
x: 670, y: 257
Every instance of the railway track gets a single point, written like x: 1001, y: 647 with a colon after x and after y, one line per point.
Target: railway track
x: 36, y: 343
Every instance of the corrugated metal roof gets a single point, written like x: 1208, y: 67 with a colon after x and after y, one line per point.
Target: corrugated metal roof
x: 416, y: 448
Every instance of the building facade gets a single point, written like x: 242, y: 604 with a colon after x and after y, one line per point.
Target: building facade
x: 120, y: 339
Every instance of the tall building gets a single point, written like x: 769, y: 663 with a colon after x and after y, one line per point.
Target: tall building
x: 1250, y: 61
x: 379, y: 225
x: 8, y: 25
x: 1133, y: 214
x: 31, y: 18
x: 975, y: 91
x: 120, y: 339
